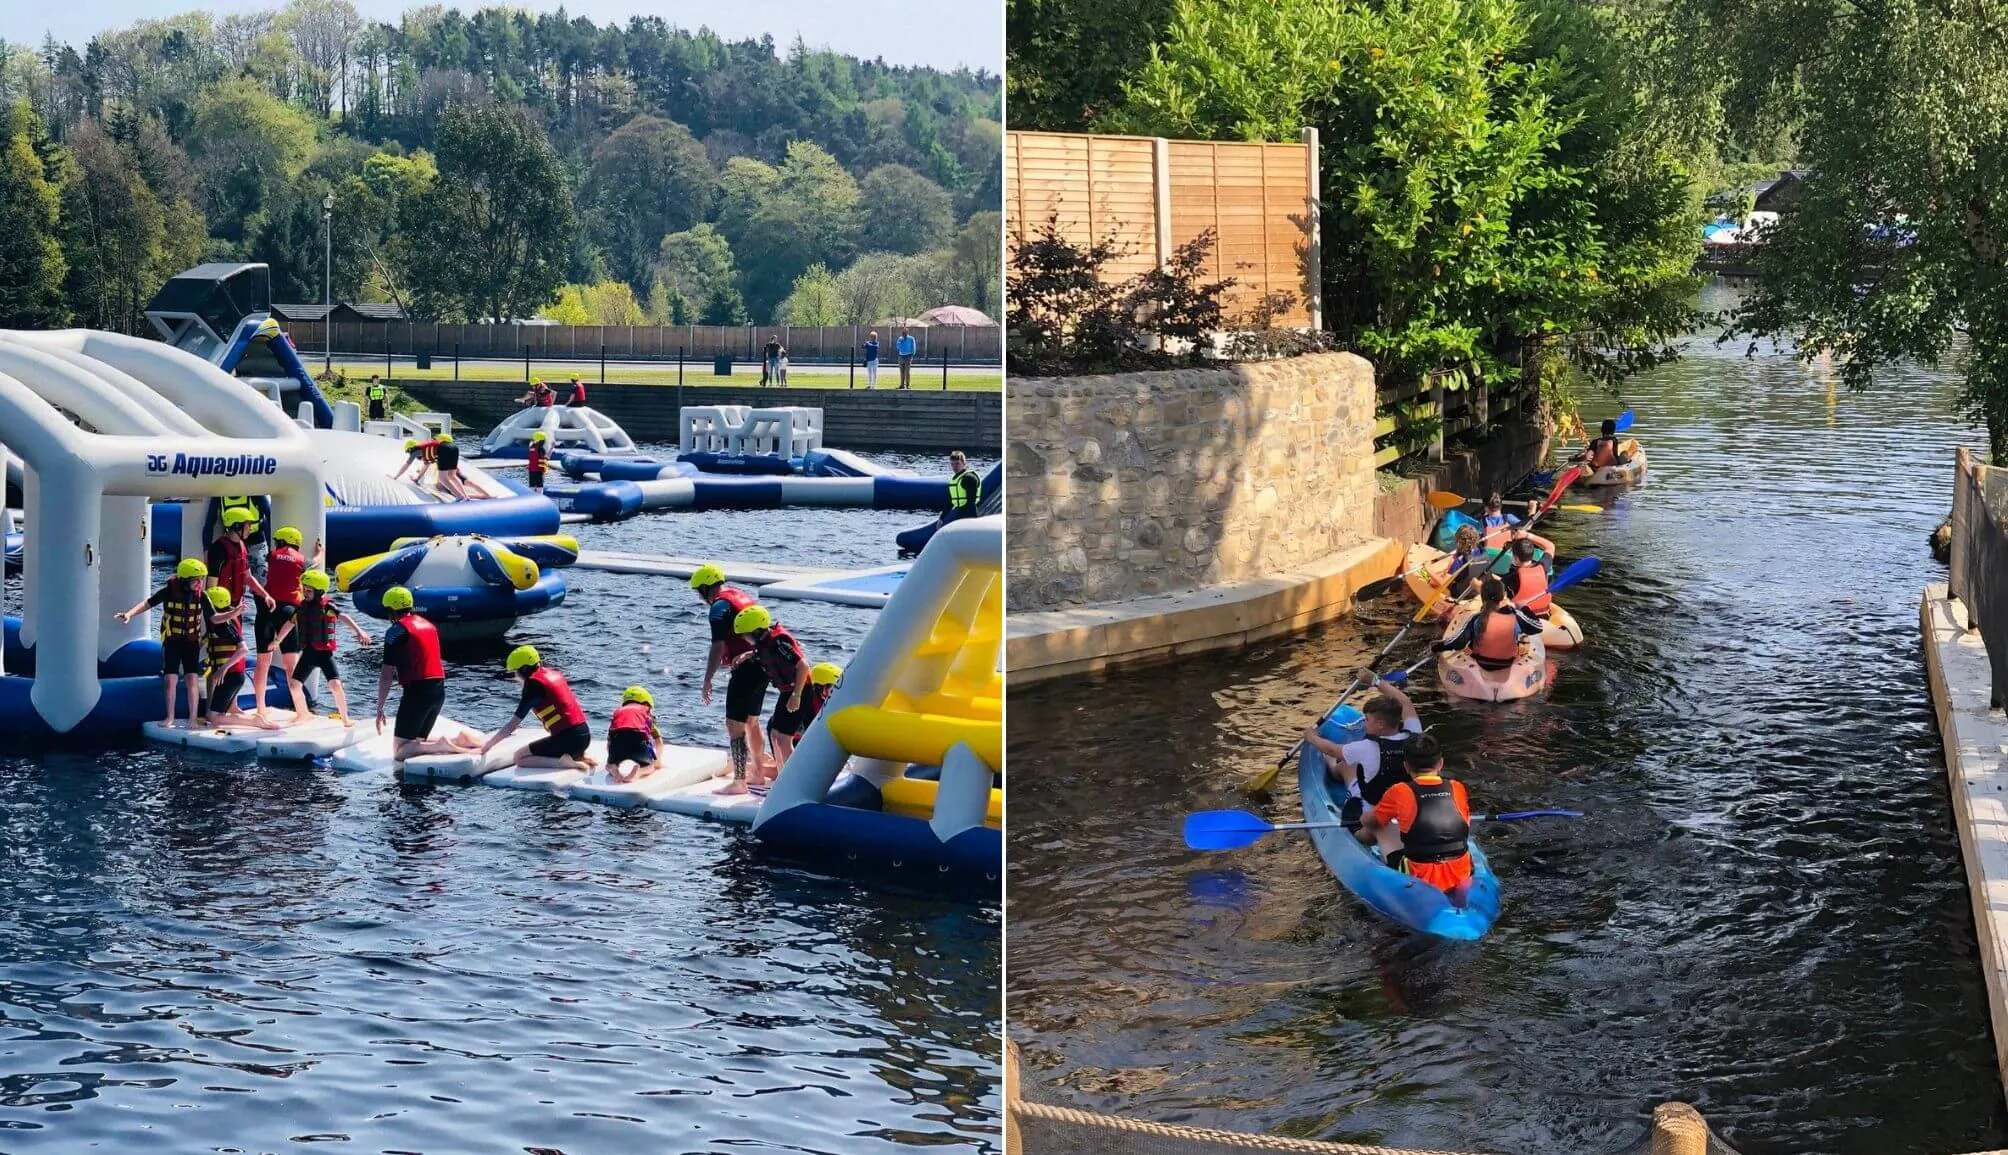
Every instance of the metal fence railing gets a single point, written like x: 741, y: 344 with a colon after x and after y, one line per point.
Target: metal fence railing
x: 1980, y: 557
x: 830, y: 344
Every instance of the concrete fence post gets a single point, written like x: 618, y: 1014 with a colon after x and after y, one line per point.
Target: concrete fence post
x: 1160, y: 152
x: 1678, y: 1129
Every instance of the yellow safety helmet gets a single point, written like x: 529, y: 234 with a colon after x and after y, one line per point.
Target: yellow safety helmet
x: 397, y: 598
x: 410, y: 443
x: 825, y: 673
x: 539, y: 436
x: 445, y: 436
x: 638, y: 694
x: 237, y: 515
x: 286, y: 535
x: 191, y: 567
x: 314, y: 579
x: 522, y: 658
x: 707, y: 575
x: 219, y: 597
x: 752, y: 618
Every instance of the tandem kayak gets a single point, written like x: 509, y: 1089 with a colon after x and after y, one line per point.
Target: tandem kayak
x: 1630, y: 473
x: 1397, y: 897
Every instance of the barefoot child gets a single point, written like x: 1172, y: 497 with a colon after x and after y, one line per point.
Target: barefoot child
x: 567, y: 734
x: 181, y: 603
x: 785, y: 727
x: 226, y: 663
x: 539, y: 456
x: 316, y: 624
x: 634, y: 745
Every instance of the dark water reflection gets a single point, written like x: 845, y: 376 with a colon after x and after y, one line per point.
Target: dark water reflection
x: 201, y: 955
x: 1764, y: 914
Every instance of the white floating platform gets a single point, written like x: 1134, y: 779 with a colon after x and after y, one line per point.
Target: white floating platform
x: 465, y: 768
x: 682, y: 567
x: 373, y: 752
x: 870, y: 588
x: 209, y: 739
x: 544, y: 779
x: 683, y: 767
x: 703, y: 800
x: 316, y: 737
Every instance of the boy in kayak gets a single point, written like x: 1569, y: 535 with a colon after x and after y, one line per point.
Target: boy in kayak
x: 1467, y: 559
x: 1498, y: 523
x: 1369, y: 767
x: 1493, y: 633
x: 1602, y: 451
x: 1423, y: 826
x: 1527, y: 581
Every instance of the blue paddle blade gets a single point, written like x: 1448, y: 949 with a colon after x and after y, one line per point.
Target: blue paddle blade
x: 1625, y: 421
x: 1578, y: 570
x: 1540, y: 480
x: 1224, y: 829
x: 1517, y: 815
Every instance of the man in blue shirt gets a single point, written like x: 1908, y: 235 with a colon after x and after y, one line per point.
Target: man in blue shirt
x: 871, y: 359
x: 905, y: 348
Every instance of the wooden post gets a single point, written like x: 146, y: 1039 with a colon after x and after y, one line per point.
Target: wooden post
x: 679, y: 366
x: 1160, y: 152
x: 1314, y: 248
x: 1678, y: 1129
x: 1436, y: 401
x: 1962, y: 512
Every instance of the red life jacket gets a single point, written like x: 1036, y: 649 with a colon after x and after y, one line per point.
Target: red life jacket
x: 780, y: 655
x: 578, y: 393
x: 1604, y: 452
x: 536, y: 461
x: 181, y: 611
x: 419, y: 660
x: 1498, y: 636
x: 738, y: 599
x: 1533, y: 590
x: 316, y: 623
x: 234, y: 572
x: 561, y: 709
x: 428, y: 450
x: 282, y: 574
x: 634, y: 716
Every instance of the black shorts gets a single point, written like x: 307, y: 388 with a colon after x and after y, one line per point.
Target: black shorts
x: 536, y: 479
x: 268, y: 624
x: 630, y: 746
x: 745, y: 691
x: 376, y: 411
x: 223, y: 699
x: 311, y: 660
x: 793, y: 722
x: 182, y: 656
x: 567, y: 743
x: 419, y: 708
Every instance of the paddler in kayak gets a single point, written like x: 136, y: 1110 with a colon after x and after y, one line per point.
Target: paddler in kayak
x: 1493, y: 633
x: 1527, y: 581
x: 1368, y: 767
x: 1467, y: 558
x: 1497, y: 522
x: 1423, y: 826
x: 1602, y: 451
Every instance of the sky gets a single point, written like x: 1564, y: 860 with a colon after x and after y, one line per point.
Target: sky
x: 941, y: 33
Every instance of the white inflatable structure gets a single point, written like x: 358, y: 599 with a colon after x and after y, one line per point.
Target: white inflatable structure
x: 564, y: 427
x: 783, y: 430
x: 163, y: 423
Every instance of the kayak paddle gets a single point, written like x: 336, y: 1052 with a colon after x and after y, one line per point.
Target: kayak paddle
x: 1264, y: 777
x: 1624, y: 422
x: 1234, y: 829
x: 1445, y: 499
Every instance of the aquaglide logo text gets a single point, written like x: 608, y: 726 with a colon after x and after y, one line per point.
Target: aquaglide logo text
x: 212, y: 465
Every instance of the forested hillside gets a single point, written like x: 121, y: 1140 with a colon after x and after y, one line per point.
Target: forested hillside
x: 498, y: 164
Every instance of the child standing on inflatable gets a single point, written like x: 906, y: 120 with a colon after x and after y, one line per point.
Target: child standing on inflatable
x: 182, y: 603
x: 230, y: 557
x: 567, y: 734
x: 634, y: 745
x: 746, y: 685
x: 315, y: 624
x: 274, y: 628
x: 784, y: 667
x: 539, y: 455
x: 786, y: 726
x: 411, y: 655
x: 226, y: 663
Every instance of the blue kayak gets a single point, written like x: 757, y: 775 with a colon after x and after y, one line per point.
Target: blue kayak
x: 1396, y: 896
x: 1445, y: 537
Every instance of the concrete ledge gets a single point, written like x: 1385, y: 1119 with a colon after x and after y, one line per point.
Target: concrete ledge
x: 1059, y: 643
x: 1976, y: 765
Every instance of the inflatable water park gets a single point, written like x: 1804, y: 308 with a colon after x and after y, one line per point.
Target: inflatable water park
x: 131, y: 460
x: 1483, y: 584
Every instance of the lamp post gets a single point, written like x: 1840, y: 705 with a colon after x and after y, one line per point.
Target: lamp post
x: 328, y: 284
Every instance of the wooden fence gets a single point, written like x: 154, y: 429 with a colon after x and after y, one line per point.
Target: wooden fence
x: 1418, y: 418
x: 1151, y: 195
x: 964, y: 344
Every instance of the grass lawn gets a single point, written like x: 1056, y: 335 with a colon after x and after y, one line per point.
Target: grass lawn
x: 556, y: 373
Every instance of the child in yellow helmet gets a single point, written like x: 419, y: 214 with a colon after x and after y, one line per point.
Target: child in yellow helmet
x: 225, y: 629
x: 182, y: 603
x: 786, y: 726
x: 634, y: 744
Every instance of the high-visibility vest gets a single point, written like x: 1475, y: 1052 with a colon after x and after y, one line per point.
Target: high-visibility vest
x: 959, y: 496
x: 377, y: 391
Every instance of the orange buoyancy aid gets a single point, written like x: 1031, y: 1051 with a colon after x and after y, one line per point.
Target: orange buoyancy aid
x: 419, y: 660
x: 634, y: 716
x: 560, y: 709
x: 738, y: 644
x: 1498, y: 636
x: 1604, y: 452
x: 1532, y: 593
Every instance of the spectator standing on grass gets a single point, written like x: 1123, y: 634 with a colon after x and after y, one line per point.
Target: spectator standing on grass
x: 770, y: 361
x: 784, y: 367
x: 376, y: 395
x: 871, y: 359
x: 905, y: 348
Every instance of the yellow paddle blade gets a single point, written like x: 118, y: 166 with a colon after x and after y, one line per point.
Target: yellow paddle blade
x: 1262, y: 780
x: 1444, y: 499
x: 1584, y: 508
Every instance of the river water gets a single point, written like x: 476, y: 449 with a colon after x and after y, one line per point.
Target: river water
x: 1764, y: 912
x: 214, y: 955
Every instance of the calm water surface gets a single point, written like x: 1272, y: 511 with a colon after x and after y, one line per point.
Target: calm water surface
x: 207, y: 955
x: 1764, y: 913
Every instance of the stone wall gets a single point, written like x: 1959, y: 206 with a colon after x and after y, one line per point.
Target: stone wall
x: 1126, y: 486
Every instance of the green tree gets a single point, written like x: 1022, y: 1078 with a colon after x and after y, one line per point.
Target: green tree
x: 979, y: 263
x: 876, y: 286
x: 1065, y: 61
x: 648, y: 179
x: 31, y: 255
x: 248, y: 147
x: 696, y: 269
x: 903, y: 211
x: 806, y: 213
x: 114, y: 236
x: 814, y: 300
x: 492, y: 235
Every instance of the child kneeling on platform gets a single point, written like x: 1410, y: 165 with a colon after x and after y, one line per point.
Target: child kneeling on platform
x: 226, y: 663
x: 634, y: 745
x: 549, y: 695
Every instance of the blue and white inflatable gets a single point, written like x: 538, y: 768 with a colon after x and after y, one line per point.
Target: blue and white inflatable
x: 566, y: 428
x: 471, y: 587
x: 703, y: 480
